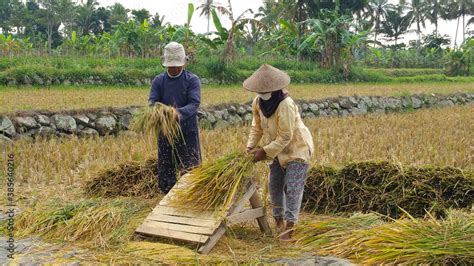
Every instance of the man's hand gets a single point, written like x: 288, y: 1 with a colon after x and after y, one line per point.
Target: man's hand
x: 260, y: 155
x: 177, y: 115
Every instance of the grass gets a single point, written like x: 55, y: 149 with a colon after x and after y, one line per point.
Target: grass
x: 67, y: 98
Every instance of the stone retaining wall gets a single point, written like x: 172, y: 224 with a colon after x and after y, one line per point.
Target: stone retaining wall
x: 105, y: 121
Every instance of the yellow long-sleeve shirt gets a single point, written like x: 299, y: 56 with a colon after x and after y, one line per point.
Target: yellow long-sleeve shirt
x: 283, y: 134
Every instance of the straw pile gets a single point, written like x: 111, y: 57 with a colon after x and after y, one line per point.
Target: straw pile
x: 328, y: 229
x: 94, y: 222
x: 404, y: 241
x: 214, y: 185
x: 383, y: 187
x: 132, y: 179
x: 158, y: 119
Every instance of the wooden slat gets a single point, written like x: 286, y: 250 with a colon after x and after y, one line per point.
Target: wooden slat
x: 243, y: 200
x: 199, y: 214
x: 200, y: 226
x: 245, y: 215
x: 212, y: 240
x: 262, y: 221
x: 183, y: 181
x: 184, y: 220
x: 182, y: 227
x: 166, y: 200
x: 150, y: 229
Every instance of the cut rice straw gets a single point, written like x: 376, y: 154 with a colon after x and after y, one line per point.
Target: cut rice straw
x: 96, y: 222
x: 403, y: 241
x: 158, y: 119
x: 214, y: 185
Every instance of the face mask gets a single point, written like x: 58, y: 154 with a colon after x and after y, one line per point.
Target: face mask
x: 265, y: 96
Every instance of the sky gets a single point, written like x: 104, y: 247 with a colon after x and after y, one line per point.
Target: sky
x: 175, y: 12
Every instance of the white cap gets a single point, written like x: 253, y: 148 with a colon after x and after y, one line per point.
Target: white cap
x: 174, y: 55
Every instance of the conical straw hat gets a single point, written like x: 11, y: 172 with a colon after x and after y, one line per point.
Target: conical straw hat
x: 267, y: 79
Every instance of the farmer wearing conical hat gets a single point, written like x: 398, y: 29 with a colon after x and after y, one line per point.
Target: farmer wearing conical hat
x: 286, y: 141
x: 181, y: 89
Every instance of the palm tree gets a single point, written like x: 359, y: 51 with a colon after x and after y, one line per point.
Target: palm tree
x: 378, y: 11
x: 437, y: 10
x: 157, y: 20
x: 87, y: 16
x: 118, y: 14
x: 471, y: 21
x: 458, y: 9
x: 206, y: 9
x: 141, y: 15
x: 395, y: 24
x: 418, y: 13
x: 270, y: 13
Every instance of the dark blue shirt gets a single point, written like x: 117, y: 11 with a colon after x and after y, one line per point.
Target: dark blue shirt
x: 182, y: 92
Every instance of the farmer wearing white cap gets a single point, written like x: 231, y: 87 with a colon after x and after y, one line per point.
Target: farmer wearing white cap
x: 285, y: 140
x: 181, y: 89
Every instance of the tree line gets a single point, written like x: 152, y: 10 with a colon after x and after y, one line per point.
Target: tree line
x: 331, y: 32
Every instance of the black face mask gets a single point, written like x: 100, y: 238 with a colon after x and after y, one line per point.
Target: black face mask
x: 269, y: 106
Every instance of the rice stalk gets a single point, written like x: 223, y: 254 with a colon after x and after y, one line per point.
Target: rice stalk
x: 215, y: 184
x: 310, y: 234
x: 93, y: 222
x: 406, y: 240
x: 159, y: 119
x: 384, y: 188
x: 131, y: 179
x: 97, y: 96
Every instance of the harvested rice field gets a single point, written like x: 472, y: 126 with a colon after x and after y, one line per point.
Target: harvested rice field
x: 80, y: 199
x: 68, y: 98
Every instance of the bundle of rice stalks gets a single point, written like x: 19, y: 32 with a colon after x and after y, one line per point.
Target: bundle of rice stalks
x: 385, y: 188
x: 310, y: 234
x: 408, y: 240
x: 96, y: 222
x: 132, y: 179
x: 214, y: 185
x: 159, y: 119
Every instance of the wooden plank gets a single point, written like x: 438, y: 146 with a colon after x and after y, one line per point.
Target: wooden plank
x: 149, y: 229
x: 167, y: 200
x: 184, y: 220
x: 255, y: 202
x: 238, y: 206
x: 183, y: 181
x: 191, y: 213
x: 245, y: 216
x: 182, y: 227
x: 212, y: 241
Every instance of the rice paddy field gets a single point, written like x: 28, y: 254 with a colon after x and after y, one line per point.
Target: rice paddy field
x: 66, y: 98
x: 52, y: 176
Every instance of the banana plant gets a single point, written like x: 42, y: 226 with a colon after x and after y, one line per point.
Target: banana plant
x: 221, y: 33
x: 329, y: 37
x: 282, y: 40
x: 227, y: 36
x: 10, y: 46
